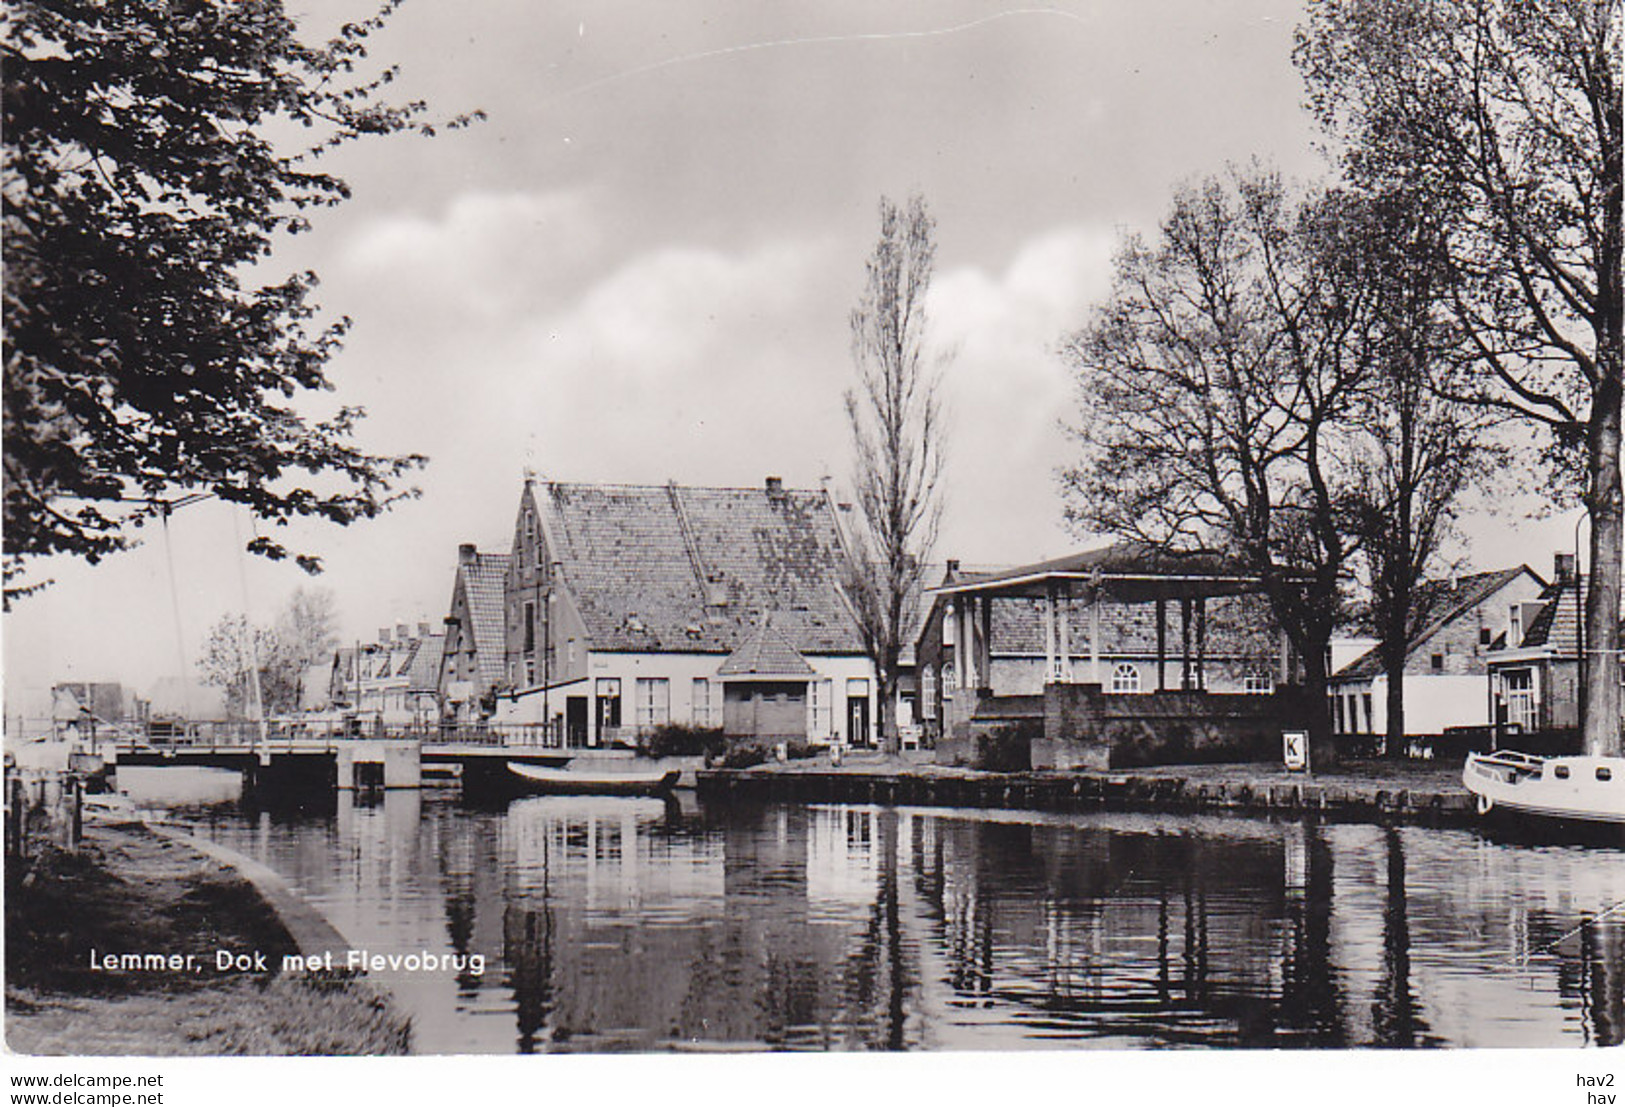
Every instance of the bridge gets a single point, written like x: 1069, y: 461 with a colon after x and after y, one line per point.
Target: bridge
x: 294, y: 759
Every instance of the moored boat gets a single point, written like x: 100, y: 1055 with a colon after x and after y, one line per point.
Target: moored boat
x: 1580, y: 789
x: 595, y: 781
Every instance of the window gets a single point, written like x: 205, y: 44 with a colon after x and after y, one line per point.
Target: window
x: 947, y: 625
x: 1436, y: 662
x: 654, y: 701
x: 950, y: 677
x: 1519, y: 685
x: 1515, y: 626
x: 820, y: 694
x: 1604, y: 773
x: 1561, y: 772
x: 1125, y: 678
x: 530, y: 671
x: 1257, y: 683
x: 609, y: 702
x: 530, y: 628
x: 928, y: 693
x: 702, y: 701
x: 1483, y: 636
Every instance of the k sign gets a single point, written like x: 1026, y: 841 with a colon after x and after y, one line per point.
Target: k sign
x: 1295, y: 750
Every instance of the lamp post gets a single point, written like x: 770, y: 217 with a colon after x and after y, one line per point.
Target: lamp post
x: 547, y: 665
x: 1579, y: 622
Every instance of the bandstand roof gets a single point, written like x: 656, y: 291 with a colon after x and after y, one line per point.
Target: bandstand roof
x: 1129, y: 572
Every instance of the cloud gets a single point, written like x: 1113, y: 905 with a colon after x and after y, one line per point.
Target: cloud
x: 486, y: 254
x: 1008, y: 391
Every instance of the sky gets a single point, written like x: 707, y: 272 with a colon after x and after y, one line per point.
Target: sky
x: 640, y: 267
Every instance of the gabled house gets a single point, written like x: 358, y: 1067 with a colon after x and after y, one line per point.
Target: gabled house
x: 1464, y: 620
x: 1534, y: 675
x: 394, y: 681
x: 629, y: 607
x: 474, y: 655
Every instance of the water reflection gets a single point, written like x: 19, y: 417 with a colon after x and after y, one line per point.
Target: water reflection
x: 615, y: 924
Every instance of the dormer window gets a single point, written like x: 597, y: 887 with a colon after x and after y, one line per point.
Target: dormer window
x: 1515, y: 626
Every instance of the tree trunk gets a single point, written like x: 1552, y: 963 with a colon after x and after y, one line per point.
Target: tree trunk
x: 1394, y: 666
x: 1322, y: 746
x: 890, y: 740
x: 1601, y: 719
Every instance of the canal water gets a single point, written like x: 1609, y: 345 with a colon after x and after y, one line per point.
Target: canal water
x: 625, y: 924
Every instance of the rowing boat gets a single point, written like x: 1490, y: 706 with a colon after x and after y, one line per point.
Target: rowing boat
x: 539, y: 778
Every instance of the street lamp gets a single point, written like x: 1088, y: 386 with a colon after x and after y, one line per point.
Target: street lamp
x: 1579, y: 621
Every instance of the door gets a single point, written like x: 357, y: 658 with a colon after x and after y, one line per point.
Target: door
x: 857, y: 712
x: 575, y: 721
x: 609, y: 709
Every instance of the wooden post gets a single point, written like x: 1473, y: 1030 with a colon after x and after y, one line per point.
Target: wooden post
x: 1063, y: 633
x: 1049, y: 635
x: 1201, y: 642
x: 1162, y: 644
x: 1185, y: 643
x: 984, y: 661
x: 1094, y: 635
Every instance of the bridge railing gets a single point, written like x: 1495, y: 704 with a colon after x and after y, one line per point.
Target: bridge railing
x: 240, y: 734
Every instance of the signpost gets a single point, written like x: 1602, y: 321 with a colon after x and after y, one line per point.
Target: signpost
x: 1295, y: 750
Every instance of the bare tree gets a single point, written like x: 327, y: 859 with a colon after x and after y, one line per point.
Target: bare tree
x: 1418, y: 450
x: 895, y: 414
x: 1513, y: 108
x: 307, y: 633
x: 243, y: 661
x: 1215, y: 387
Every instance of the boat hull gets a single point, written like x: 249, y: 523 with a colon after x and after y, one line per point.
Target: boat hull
x: 568, y: 782
x: 1589, y: 790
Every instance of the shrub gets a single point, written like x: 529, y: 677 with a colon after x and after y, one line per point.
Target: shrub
x: 677, y: 740
x: 743, y: 757
x: 1005, y: 749
x: 800, y: 751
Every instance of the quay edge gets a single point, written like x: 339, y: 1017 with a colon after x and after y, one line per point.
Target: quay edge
x: 1340, y: 798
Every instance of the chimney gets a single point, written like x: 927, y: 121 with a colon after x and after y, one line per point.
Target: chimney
x: 383, y: 636
x: 953, y: 566
x: 402, y: 632
x: 423, y: 630
x: 775, y: 486
x: 466, y: 553
x: 1563, y: 568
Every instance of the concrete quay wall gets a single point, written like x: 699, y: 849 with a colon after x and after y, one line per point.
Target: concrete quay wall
x: 1340, y: 798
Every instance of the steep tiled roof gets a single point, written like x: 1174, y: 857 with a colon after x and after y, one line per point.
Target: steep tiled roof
x: 765, y: 653
x: 1557, y: 625
x: 1438, y: 603
x: 483, y: 579
x: 424, y: 674
x: 694, y: 569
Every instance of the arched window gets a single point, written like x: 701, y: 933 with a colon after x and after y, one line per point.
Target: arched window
x: 1125, y: 678
x: 950, y: 677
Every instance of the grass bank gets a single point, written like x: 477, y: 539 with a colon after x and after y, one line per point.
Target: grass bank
x: 129, y: 891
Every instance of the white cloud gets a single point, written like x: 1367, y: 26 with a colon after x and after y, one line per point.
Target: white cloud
x: 490, y: 254
x: 1008, y: 390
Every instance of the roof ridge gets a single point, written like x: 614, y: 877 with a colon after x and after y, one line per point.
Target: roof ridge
x: 638, y: 487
